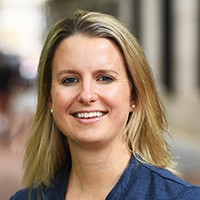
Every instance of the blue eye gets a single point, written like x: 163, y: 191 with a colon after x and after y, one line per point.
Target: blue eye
x: 105, y: 78
x: 69, y: 80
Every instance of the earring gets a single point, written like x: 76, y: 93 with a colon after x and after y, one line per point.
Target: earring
x: 51, y: 110
x: 133, y: 106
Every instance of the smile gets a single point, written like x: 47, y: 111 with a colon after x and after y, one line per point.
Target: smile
x: 87, y: 115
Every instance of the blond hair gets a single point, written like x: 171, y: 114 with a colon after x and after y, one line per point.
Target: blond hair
x: 47, y: 149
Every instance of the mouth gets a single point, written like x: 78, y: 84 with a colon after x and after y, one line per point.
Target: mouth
x: 88, y: 115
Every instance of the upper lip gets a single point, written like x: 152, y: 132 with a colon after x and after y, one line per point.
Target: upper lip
x: 88, y: 111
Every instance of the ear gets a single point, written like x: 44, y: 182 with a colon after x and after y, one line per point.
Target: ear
x: 49, y: 103
x: 132, y: 106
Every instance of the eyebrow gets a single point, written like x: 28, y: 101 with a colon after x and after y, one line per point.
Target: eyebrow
x: 69, y: 71
x: 60, y: 73
x: 102, y: 71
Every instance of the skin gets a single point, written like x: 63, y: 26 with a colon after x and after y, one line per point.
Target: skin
x: 89, y: 78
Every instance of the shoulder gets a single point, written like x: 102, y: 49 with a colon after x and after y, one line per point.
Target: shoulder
x: 56, y: 190
x: 192, y: 193
x: 144, y: 181
x: 20, y: 195
x: 25, y: 193
x: 165, y: 181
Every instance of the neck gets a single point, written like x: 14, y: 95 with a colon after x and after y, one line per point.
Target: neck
x: 95, y: 172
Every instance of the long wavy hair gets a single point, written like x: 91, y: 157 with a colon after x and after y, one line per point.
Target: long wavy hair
x: 47, y: 149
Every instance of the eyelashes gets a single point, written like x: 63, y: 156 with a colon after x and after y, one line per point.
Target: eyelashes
x: 69, y: 80
x: 73, y: 80
x: 106, y: 79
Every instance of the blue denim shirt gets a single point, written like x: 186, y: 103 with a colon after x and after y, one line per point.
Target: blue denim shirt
x: 138, y: 182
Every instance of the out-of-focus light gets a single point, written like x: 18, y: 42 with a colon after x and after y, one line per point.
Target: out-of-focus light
x: 21, y: 26
x: 24, y: 2
x: 28, y: 68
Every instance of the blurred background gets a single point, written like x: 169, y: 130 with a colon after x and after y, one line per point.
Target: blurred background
x: 169, y: 32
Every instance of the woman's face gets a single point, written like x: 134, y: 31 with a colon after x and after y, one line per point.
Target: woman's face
x: 90, y: 94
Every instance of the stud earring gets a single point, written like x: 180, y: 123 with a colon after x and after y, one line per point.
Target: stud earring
x: 51, y: 110
x: 133, y: 106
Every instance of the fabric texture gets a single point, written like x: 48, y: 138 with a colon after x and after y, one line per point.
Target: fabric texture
x: 139, y: 181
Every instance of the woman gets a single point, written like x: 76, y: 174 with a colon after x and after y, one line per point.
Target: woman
x: 99, y: 127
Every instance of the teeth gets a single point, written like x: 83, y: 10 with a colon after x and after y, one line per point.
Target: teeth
x: 89, y: 115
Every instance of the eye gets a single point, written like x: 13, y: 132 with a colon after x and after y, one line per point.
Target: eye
x: 106, y: 79
x: 69, y: 80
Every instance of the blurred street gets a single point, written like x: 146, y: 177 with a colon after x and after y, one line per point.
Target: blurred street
x: 184, y: 124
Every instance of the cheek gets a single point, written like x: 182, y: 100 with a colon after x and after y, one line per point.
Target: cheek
x: 118, y: 97
x: 119, y: 104
x: 58, y: 100
x: 55, y: 96
x: 62, y: 100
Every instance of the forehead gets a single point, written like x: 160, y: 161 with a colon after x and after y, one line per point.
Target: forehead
x: 80, y: 41
x: 92, y: 50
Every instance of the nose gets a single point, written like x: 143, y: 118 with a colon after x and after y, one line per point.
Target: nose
x: 87, y: 93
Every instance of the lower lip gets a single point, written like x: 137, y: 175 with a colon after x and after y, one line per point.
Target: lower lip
x: 88, y: 121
